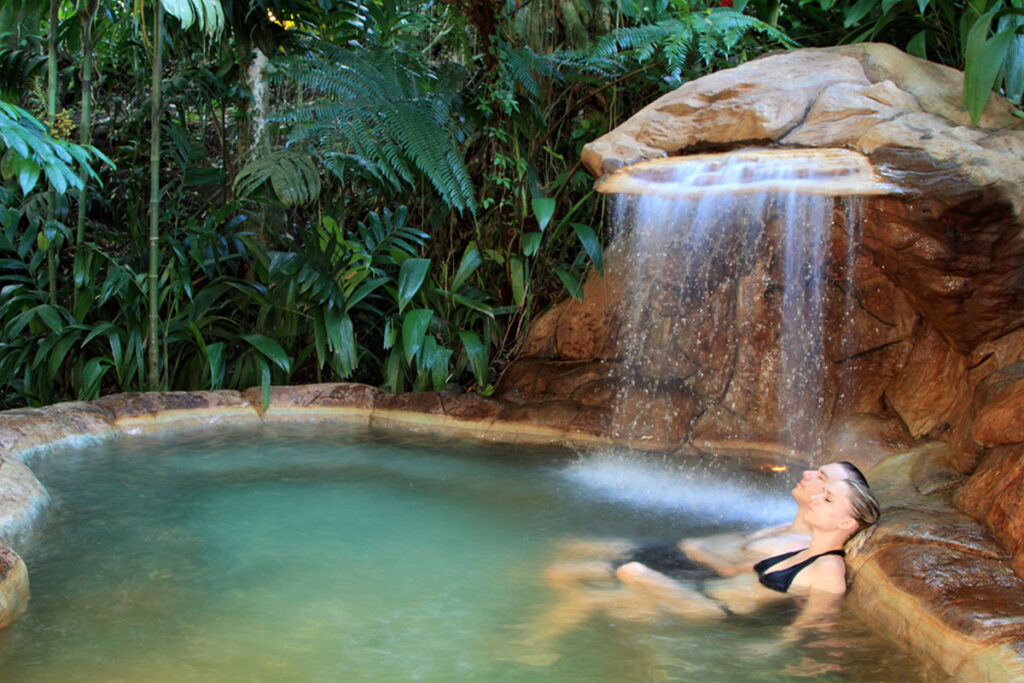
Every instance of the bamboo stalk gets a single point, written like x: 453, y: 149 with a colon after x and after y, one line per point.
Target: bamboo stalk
x: 153, y: 343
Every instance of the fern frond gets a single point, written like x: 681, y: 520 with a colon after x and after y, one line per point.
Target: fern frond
x: 522, y: 66
x: 380, y: 117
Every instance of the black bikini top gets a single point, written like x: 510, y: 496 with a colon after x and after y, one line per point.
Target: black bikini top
x: 779, y: 580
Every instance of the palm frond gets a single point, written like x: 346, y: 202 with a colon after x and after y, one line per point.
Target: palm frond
x: 290, y: 174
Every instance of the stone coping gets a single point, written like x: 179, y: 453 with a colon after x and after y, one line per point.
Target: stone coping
x: 928, y: 576
x: 935, y: 579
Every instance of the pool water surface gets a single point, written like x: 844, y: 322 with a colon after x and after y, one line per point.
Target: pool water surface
x: 319, y: 553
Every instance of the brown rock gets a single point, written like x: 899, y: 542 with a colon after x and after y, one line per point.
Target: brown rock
x: 540, y: 338
x: 998, y: 662
x: 955, y: 250
x: 598, y: 393
x: 996, y: 395
x: 991, y: 356
x: 21, y: 498
x: 14, y: 589
x: 725, y: 107
x: 847, y: 110
x: 718, y: 424
x: 978, y: 597
x: 27, y: 430
x: 865, y: 439
x: 921, y: 477
x: 142, y: 405
x: 927, y: 527
x: 945, y: 607
x: 1001, y: 419
x: 313, y: 399
x: 930, y: 391
x: 994, y: 494
x: 964, y: 452
x: 935, y: 87
x: 582, y: 330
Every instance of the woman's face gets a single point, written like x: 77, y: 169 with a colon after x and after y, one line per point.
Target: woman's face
x: 830, y: 510
x: 814, y: 481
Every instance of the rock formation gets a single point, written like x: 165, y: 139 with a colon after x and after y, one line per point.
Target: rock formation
x: 937, y: 353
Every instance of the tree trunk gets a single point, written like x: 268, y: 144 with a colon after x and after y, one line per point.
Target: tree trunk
x: 154, y: 201
x: 51, y: 108
x: 87, y: 9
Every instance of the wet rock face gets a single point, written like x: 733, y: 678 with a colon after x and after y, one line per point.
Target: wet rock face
x: 937, y: 271
x: 935, y: 332
x: 990, y: 444
x: 14, y: 590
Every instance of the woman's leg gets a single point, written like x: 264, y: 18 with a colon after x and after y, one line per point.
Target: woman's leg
x: 670, y: 596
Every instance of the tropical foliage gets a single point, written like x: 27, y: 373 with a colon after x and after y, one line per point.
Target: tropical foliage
x: 385, y: 191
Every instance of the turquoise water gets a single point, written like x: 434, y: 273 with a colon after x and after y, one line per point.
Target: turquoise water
x: 311, y: 553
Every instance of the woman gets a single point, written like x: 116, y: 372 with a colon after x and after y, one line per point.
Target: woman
x: 817, y: 572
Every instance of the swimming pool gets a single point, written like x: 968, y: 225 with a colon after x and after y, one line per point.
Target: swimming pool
x: 318, y: 553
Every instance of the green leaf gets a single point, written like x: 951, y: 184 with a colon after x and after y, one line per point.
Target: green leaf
x: 860, y: 10
x: 410, y: 277
x: 28, y: 174
x: 270, y: 349
x: 49, y: 315
x: 984, y: 60
x: 475, y: 304
x: 98, y: 330
x: 320, y: 339
x: 517, y: 278
x: 393, y: 370
x: 207, y: 14
x: 215, y: 357
x: 471, y: 260
x: 439, y: 367
x: 570, y: 282
x: 591, y: 245
x: 92, y: 376
x: 917, y: 45
x: 543, y: 210
x: 347, y: 350
x: 531, y: 243
x: 264, y: 382
x: 476, y: 352
x: 414, y: 328
x: 1013, y: 75
x: 291, y: 174
x: 58, y: 354
x: 364, y: 291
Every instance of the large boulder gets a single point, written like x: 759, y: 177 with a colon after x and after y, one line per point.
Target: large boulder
x: 936, y: 276
x: 14, y: 590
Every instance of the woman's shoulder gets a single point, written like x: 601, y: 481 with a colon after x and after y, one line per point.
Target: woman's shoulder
x: 828, y: 573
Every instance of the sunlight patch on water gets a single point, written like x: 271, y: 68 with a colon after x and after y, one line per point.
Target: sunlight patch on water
x: 669, y: 487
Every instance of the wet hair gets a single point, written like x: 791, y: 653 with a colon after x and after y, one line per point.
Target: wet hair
x: 853, y: 472
x: 864, y: 507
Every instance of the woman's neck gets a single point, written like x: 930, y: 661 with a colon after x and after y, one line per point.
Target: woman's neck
x: 824, y: 541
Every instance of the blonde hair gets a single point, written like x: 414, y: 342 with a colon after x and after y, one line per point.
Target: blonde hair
x: 864, y: 506
x: 864, y: 509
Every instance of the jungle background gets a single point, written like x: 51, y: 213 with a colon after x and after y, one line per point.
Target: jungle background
x: 204, y: 194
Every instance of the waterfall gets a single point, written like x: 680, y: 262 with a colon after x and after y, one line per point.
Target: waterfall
x: 726, y: 262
